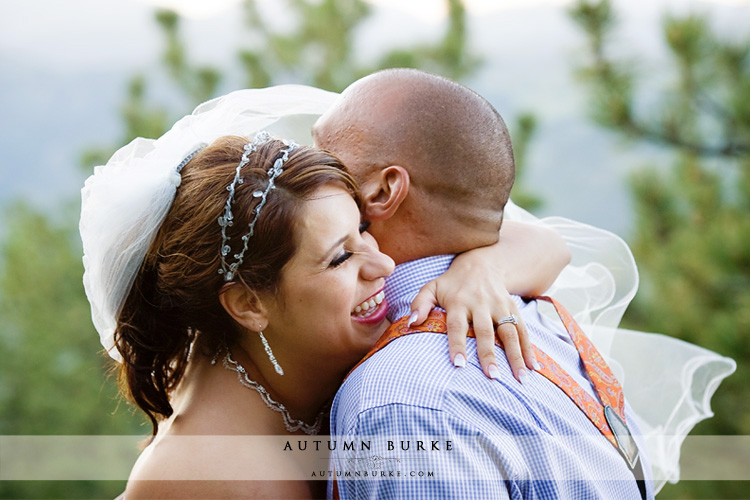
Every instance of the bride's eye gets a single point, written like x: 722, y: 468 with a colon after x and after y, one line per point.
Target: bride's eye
x: 364, y: 226
x: 341, y: 259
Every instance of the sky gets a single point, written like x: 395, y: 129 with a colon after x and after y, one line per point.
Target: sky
x: 423, y: 10
x: 64, y: 67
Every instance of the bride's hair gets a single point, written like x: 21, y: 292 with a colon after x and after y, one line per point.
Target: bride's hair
x: 175, y: 295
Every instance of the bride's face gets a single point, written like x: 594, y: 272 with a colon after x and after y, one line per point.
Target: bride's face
x: 336, y: 270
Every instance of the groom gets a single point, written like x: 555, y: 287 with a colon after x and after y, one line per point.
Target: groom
x: 435, y: 166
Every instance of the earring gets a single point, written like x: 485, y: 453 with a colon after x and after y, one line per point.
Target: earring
x: 275, y: 363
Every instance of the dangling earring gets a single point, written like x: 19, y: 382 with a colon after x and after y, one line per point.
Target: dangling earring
x: 275, y: 363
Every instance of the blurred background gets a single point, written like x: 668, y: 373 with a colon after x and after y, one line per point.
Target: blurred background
x: 632, y: 115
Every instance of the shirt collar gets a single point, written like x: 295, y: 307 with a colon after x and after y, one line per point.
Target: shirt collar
x: 408, y: 278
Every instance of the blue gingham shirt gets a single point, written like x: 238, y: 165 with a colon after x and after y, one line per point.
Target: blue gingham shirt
x: 408, y: 424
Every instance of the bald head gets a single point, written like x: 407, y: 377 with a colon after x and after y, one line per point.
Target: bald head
x: 453, y: 143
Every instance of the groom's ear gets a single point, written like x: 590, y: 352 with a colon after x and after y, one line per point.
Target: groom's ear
x: 384, y: 193
x: 244, y: 306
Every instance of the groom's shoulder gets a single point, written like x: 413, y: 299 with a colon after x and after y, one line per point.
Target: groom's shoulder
x: 412, y: 377
x: 414, y: 369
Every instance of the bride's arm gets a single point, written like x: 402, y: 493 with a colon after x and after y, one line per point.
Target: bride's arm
x: 525, y: 261
x: 531, y: 257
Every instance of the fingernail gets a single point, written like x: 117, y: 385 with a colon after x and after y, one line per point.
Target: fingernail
x: 494, y: 372
x: 537, y: 366
x: 523, y: 376
x: 413, y: 318
x: 459, y: 361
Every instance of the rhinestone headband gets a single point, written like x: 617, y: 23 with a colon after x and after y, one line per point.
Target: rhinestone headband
x: 189, y: 157
x: 225, y: 221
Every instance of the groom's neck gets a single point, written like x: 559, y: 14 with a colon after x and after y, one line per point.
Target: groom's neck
x: 406, y: 240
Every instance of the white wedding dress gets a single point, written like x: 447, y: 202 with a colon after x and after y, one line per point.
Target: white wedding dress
x: 668, y: 383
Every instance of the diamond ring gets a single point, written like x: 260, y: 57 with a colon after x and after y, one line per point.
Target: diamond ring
x: 508, y: 319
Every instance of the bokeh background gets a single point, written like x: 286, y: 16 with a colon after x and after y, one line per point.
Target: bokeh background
x: 632, y: 115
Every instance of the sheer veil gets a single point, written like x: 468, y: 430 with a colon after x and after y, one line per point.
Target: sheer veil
x: 668, y: 383
x: 125, y: 201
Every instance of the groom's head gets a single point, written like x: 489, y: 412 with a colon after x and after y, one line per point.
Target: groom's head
x: 433, y: 159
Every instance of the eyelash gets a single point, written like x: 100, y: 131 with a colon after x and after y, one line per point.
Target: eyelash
x: 341, y: 259
x: 363, y: 226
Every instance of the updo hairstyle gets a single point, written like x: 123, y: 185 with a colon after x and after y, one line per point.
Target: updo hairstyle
x: 175, y: 296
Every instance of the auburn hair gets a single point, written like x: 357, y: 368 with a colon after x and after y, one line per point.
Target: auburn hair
x: 175, y: 296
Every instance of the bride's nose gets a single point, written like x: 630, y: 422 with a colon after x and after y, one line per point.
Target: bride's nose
x: 377, y: 264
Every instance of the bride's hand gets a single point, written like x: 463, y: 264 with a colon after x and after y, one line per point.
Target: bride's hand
x: 472, y: 294
x: 526, y: 260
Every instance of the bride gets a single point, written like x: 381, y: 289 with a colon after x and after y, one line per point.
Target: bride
x: 237, y: 287
x: 202, y: 351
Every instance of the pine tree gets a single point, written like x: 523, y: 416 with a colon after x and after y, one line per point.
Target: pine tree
x: 692, y: 227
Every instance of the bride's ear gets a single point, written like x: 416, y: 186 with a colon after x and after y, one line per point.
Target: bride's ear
x: 244, y: 306
x: 384, y: 193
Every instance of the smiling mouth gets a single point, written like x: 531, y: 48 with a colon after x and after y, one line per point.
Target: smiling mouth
x: 369, y: 306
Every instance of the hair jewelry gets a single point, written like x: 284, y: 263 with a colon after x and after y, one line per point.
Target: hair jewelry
x: 225, y: 221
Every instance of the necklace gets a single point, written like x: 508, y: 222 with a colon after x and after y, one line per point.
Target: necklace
x: 291, y: 424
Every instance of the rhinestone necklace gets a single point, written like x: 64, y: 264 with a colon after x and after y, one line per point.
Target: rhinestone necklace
x: 291, y: 424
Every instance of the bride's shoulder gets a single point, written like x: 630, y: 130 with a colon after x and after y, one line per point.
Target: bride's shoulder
x: 206, y: 467
x: 215, y: 445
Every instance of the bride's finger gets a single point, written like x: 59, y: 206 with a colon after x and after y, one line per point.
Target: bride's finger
x: 485, y: 335
x: 423, y: 303
x: 508, y: 335
x: 458, y: 328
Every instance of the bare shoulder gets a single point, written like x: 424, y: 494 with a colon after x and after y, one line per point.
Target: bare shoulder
x: 187, y: 490
x: 214, y: 467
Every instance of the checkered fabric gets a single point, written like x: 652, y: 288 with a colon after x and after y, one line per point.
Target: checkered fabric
x: 418, y: 427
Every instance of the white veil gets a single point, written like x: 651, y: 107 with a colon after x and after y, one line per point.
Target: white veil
x: 125, y: 201
x: 668, y: 383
